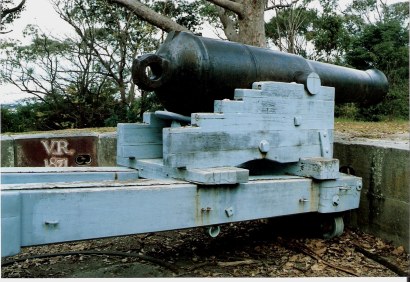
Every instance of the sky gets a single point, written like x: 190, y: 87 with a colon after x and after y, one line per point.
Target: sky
x: 41, y: 13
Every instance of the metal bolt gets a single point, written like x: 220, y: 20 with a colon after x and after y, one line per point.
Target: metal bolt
x: 336, y: 200
x: 207, y: 209
x: 297, y: 121
x: 264, y: 146
x: 229, y: 211
x: 51, y: 222
x: 345, y: 188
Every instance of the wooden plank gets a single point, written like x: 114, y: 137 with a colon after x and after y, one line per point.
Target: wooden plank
x: 340, y: 195
x: 131, y: 134
x: 86, y: 213
x: 10, y: 223
x: 276, y: 106
x: 154, y: 168
x: 30, y: 175
x: 209, y: 122
x: 187, y: 141
x: 326, y: 93
x: 317, y: 168
x: 143, y: 151
x: 202, y: 159
x: 64, y: 170
x: 216, y: 175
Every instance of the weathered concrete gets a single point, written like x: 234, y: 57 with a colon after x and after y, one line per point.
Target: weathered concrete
x: 383, y: 165
x: 7, y: 151
x: 385, y: 201
x: 107, y: 149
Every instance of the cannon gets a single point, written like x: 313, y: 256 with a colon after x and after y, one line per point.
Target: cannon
x: 189, y: 72
x: 248, y: 135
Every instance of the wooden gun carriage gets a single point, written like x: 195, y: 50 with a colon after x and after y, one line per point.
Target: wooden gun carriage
x: 238, y: 141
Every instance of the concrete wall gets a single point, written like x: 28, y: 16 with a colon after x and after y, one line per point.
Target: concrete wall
x: 384, y: 167
x: 384, y: 205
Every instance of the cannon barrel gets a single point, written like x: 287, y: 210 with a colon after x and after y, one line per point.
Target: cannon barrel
x: 189, y: 72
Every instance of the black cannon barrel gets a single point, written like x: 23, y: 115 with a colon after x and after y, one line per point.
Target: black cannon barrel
x: 189, y: 72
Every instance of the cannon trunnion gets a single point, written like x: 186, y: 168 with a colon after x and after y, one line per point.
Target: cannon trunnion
x: 189, y: 72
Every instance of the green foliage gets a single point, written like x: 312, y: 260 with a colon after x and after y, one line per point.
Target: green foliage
x: 83, y: 80
x: 348, y: 111
x: 289, y: 26
x: 330, y: 37
x: 383, y: 46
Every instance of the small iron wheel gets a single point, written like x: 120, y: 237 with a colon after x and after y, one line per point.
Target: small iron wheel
x: 332, y: 227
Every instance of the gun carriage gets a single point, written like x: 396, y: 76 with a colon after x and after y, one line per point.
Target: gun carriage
x: 247, y: 134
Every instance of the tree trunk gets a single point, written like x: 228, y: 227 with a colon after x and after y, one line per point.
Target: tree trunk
x: 249, y: 28
x: 252, y: 24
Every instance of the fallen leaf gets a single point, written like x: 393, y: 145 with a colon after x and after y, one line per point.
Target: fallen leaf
x: 318, y: 267
x: 293, y: 258
x: 398, y: 251
x: 320, y: 251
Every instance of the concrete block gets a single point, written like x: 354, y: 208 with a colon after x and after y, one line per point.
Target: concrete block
x: 385, y: 201
x: 107, y: 147
x: 385, y: 170
x: 7, y: 151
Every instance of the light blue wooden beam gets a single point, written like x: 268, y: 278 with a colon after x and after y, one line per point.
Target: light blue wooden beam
x: 43, y: 213
x: 76, y: 211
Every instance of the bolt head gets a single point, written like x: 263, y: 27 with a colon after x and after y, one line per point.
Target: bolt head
x: 264, y: 146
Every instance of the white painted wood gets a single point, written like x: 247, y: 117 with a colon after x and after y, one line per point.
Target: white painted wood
x: 317, y: 168
x: 277, y: 88
x: 23, y: 175
x: 242, y: 122
x: 202, y: 159
x: 140, y: 151
x: 10, y: 223
x: 154, y: 168
x: 340, y: 195
x: 94, y: 211
x: 277, y: 106
x: 64, y: 170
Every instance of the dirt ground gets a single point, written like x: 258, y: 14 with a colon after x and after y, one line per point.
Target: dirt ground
x: 280, y: 247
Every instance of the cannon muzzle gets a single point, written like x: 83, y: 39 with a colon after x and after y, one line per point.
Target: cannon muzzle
x: 189, y: 72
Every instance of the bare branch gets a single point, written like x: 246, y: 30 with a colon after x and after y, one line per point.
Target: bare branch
x: 232, y: 6
x: 151, y: 16
x: 280, y: 6
x: 5, y: 12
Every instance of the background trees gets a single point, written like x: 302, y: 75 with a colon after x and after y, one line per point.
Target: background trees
x: 9, y: 11
x: 83, y: 79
